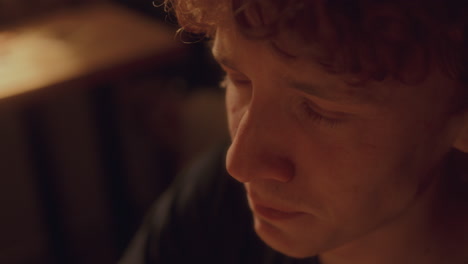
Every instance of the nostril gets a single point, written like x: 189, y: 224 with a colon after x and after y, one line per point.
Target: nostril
x: 279, y: 169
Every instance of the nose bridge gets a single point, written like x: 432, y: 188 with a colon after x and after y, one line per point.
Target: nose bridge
x: 257, y: 149
x: 254, y: 124
x: 255, y: 130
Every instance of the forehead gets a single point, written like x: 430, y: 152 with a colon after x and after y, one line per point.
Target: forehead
x: 232, y: 49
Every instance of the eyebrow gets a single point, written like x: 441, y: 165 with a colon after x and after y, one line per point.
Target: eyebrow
x: 313, y: 90
x: 225, y: 62
x: 330, y: 93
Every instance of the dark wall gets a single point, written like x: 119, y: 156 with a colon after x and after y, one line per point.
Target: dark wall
x: 80, y: 165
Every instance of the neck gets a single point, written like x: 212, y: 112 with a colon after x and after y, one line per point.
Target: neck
x: 428, y: 232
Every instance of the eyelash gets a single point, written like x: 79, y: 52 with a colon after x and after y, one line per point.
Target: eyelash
x: 306, y: 108
x: 237, y: 82
x: 316, y: 117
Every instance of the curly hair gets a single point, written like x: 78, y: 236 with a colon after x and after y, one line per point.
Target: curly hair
x: 371, y: 39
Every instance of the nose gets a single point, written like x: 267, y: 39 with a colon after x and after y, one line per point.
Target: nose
x: 258, y: 148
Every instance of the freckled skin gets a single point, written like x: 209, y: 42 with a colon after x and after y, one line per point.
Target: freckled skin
x: 364, y: 182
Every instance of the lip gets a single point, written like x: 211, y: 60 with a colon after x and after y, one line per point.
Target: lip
x: 272, y: 213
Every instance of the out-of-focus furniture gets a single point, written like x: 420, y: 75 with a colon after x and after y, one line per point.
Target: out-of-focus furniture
x: 75, y: 43
x: 14, y: 11
x: 65, y: 156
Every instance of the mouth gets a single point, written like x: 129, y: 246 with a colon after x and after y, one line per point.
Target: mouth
x: 268, y: 210
x: 273, y: 213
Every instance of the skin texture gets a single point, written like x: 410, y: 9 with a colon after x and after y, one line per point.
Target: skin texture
x: 355, y: 174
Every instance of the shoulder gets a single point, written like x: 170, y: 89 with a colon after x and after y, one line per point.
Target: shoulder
x: 203, y: 216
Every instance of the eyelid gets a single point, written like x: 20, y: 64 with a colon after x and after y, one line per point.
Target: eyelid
x: 235, y: 76
x: 233, y: 72
x: 238, y: 81
x: 328, y: 113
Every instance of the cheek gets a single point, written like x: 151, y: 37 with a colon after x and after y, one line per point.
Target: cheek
x: 372, y: 176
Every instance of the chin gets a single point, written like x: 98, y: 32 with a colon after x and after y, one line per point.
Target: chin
x: 296, y: 254
x: 283, y: 242
x: 289, y: 250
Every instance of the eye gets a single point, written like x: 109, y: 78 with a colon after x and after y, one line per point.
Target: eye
x: 236, y: 79
x: 310, y: 112
x: 240, y: 81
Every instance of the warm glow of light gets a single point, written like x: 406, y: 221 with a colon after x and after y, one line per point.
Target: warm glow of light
x: 73, y: 43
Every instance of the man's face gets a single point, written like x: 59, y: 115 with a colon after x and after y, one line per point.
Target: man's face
x: 324, y: 163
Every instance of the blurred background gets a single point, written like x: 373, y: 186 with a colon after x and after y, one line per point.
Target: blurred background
x: 100, y: 107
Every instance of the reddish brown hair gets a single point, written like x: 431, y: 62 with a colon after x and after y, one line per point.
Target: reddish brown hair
x: 372, y: 39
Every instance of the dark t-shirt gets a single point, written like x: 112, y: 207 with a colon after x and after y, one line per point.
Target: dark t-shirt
x: 203, y: 218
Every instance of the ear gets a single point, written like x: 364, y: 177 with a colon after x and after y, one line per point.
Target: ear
x: 461, y: 141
